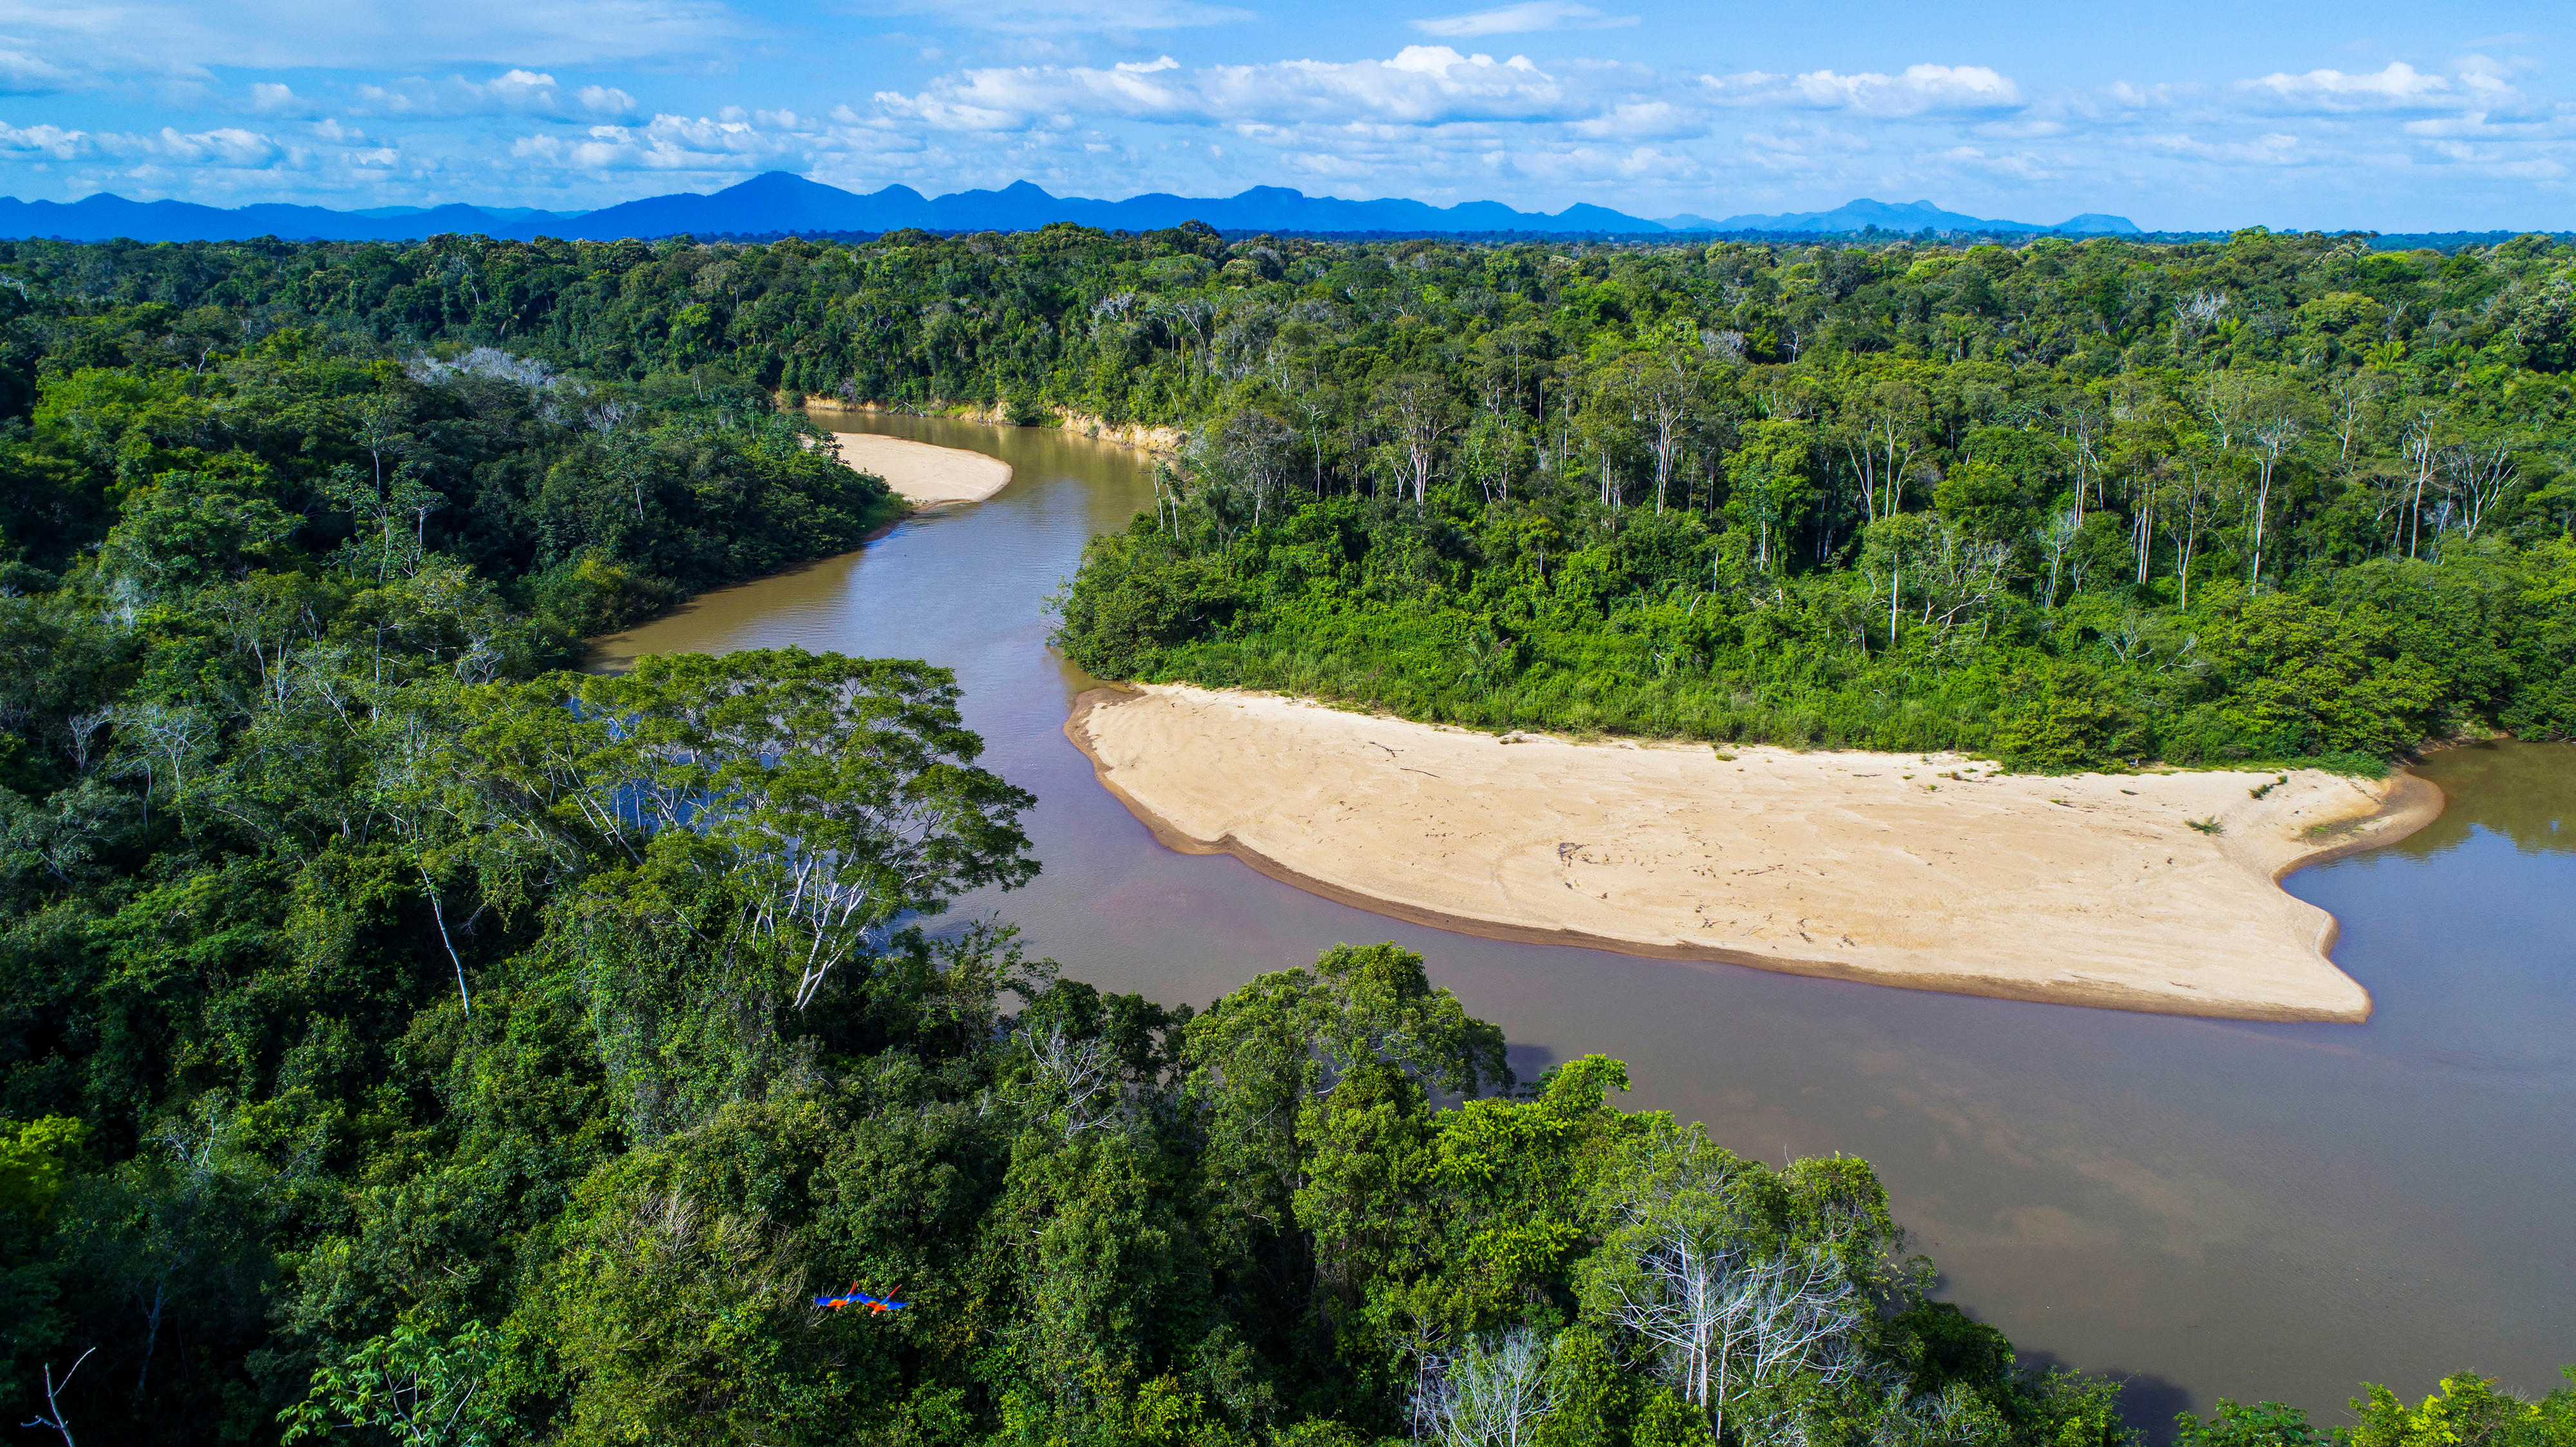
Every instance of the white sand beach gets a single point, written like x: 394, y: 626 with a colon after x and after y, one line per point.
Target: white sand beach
x: 924, y: 475
x: 1926, y: 871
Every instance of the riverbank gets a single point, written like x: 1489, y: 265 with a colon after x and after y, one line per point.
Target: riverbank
x: 1926, y: 871
x: 921, y: 474
x: 1081, y: 424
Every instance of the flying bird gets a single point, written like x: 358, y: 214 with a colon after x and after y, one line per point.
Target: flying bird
x: 876, y: 1305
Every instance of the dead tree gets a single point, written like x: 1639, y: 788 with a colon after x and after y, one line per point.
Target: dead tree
x: 1493, y: 1394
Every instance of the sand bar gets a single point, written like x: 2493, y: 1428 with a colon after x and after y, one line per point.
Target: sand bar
x: 926, y: 476
x: 1927, y: 871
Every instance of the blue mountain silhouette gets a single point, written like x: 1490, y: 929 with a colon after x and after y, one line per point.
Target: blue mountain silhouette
x: 779, y: 202
x: 1892, y: 216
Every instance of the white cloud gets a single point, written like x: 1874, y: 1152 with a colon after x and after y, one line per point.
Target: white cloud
x: 223, y: 148
x: 65, y: 43
x: 2124, y: 97
x: 1640, y: 120
x: 2395, y: 86
x: 1919, y: 89
x: 732, y: 141
x: 2019, y: 165
x: 2275, y: 148
x: 42, y: 141
x: 513, y: 92
x: 24, y: 73
x: 358, y: 102
x: 228, y: 146
x: 1420, y: 85
x: 1523, y: 18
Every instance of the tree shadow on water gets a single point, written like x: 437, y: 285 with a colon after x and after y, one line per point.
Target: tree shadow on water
x: 1528, y: 1061
x: 2148, y: 1403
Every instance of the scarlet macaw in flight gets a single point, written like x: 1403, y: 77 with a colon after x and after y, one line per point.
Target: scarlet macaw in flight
x: 876, y: 1305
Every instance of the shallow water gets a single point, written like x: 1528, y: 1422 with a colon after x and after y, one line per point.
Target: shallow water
x: 2208, y: 1208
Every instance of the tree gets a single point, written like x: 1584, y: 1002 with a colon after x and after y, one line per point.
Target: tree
x: 1260, y: 1053
x: 2272, y: 437
x: 823, y: 796
x: 1770, y: 482
x: 418, y: 1389
x: 1418, y: 411
x: 1881, y: 445
x: 2054, y: 538
x: 2475, y: 478
x: 1496, y: 1392
x: 191, y: 529
x: 2189, y: 501
x: 1664, y: 392
x: 1737, y: 1289
x: 59, y: 1420
x: 2467, y: 1409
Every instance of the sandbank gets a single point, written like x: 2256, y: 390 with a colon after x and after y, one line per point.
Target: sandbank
x: 1932, y: 872
x: 924, y: 475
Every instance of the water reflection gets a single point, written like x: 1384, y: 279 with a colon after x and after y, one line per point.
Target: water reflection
x: 2525, y: 792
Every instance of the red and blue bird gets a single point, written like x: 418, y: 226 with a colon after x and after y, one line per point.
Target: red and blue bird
x: 875, y: 1305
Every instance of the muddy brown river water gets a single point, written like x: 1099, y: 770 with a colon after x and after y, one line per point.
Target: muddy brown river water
x: 2205, y: 1208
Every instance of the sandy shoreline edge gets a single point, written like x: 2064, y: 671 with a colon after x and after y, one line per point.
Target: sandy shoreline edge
x: 2128, y: 909
x: 922, y: 473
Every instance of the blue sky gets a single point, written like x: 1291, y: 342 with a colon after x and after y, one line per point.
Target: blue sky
x: 2193, y: 115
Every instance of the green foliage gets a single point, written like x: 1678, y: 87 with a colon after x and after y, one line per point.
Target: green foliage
x: 2264, y: 1424
x: 413, y: 1387
x: 2158, y: 535
x: 186, y: 529
x: 35, y: 1157
x: 403, y: 1038
x: 2468, y: 1408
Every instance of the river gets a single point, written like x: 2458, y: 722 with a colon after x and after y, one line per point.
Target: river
x: 2204, y: 1208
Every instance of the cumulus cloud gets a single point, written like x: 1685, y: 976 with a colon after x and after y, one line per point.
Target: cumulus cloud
x: 42, y: 141
x: 228, y: 146
x: 1420, y: 85
x: 513, y: 92
x: 1920, y: 88
x: 734, y: 140
x: 2395, y: 86
x: 1523, y: 18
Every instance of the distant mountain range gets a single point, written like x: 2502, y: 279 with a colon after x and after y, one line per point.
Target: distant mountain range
x: 105, y: 218
x: 1889, y: 216
x: 778, y: 203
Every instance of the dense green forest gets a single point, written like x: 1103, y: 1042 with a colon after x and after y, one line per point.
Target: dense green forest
x: 2077, y: 505
x: 403, y: 1038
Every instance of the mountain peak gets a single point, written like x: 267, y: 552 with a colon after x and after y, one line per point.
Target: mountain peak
x: 771, y: 182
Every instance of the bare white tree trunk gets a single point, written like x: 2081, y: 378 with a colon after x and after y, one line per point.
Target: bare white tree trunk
x: 1493, y: 1394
